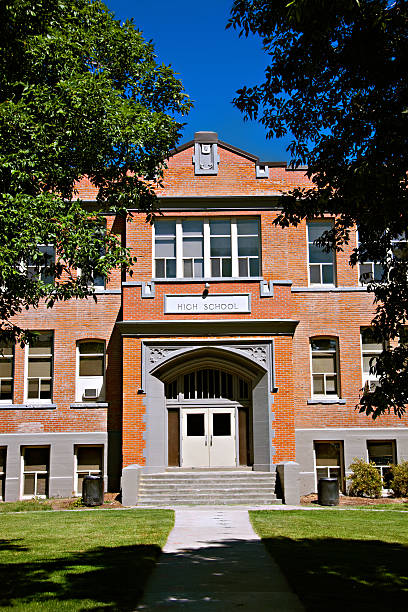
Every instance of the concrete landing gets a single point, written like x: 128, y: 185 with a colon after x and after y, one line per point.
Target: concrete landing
x: 213, y: 560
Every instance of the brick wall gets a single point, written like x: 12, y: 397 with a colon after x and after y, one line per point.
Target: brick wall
x: 337, y: 314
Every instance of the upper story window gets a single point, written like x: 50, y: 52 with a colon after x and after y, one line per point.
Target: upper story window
x: 42, y: 268
x: 368, y: 270
x: 91, y: 371
x: 206, y: 248
x: 371, y: 347
x: 325, y: 373
x: 6, y: 372
x: 321, y: 264
x: 39, y: 368
x: 87, y: 272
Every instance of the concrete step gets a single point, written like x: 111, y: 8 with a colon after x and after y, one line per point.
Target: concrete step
x: 209, y: 474
x: 197, y: 487
x: 210, y: 501
x: 241, y: 482
x: 207, y: 490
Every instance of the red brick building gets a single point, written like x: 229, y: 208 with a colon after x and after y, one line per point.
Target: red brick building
x: 234, y: 343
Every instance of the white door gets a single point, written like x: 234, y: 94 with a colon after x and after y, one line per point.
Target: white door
x: 194, y: 440
x: 221, y: 429
x: 208, y: 437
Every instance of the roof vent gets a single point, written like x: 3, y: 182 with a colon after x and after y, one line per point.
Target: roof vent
x: 205, y: 158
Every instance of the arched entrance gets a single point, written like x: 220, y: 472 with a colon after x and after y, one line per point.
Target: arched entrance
x: 208, y: 399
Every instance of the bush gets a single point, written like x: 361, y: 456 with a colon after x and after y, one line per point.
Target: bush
x: 399, y: 481
x: 365, y: 479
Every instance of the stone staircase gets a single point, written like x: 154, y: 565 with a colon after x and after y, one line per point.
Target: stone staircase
x: 208, y: 487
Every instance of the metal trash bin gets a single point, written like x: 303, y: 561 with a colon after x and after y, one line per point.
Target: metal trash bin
x: 92, y: 490
x: 328, y: 492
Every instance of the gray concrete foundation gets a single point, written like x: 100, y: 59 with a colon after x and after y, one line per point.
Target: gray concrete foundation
x: 62, y: 460
x: 289, y: 482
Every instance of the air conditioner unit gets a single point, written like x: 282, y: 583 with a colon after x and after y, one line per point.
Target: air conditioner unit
x: 90, y: 393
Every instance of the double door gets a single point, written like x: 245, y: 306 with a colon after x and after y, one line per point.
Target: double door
x: 208, y: 437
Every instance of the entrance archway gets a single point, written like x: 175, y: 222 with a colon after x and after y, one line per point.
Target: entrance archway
x: 208, y: 396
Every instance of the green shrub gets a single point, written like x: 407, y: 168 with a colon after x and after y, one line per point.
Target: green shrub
x: 365, y: 479
x: 399, y: 480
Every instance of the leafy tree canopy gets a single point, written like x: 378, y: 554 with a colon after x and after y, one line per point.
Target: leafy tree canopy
x: 80, y: 94
x: 337, y: 81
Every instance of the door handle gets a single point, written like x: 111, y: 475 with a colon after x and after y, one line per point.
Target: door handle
x: 206, y: 440
x: 211, y: 440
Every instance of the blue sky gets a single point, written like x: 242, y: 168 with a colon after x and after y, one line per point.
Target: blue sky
x: 212, y: 63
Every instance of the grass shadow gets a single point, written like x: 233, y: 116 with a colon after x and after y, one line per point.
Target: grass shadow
x: 333, y: 573
x: 101, y: 578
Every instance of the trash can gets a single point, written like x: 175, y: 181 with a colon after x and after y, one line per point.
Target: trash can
x: 92, y: 490
x: 328, y: 492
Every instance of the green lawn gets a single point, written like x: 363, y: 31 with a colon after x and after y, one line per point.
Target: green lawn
x: 338, y: 560
x: 32, y: 505
x: 96, y: 560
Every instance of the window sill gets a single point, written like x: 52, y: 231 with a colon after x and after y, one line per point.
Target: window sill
x: 216, y: 279
x: 90, y: 405
x: 327, y: 288
x: 28, y: 406
x: 326, y: 400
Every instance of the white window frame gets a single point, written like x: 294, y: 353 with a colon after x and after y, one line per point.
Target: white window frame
x: 3, y: 474
x: 206, y: 249
x: 90, y: 281
x: 8, y: 378
x: 381, y: 467
x: 368, y: 379
x: 99, y: 381
x: 329, y: 467
x: 333, y: 264
x: 86, y: 472
x: 26, y: 360
x: 39, y: 269
x: 36, y: 472
x: 364, y: 283
x: 336, y: 373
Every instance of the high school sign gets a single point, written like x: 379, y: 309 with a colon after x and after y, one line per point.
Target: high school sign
x: 210, y: 304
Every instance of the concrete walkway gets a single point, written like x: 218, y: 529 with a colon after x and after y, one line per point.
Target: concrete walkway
x: 213, y: 560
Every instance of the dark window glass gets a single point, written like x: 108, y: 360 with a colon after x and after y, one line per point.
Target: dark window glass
x: 195, y: 424
x: 222, y: 424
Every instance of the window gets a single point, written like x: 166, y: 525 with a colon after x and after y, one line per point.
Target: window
x: 36, y: 461
x: 368, y: 270
x: 324, y: 367
x: 383, y: 455
x: 42, y: 268
x: 91, y: 371
x: 193, y: 248
x: 87, y: 271
x: 399, y: 246
x: 88, y: 460
x: 39, y: 368
x: 208, y: 384
x: 206, y: 248
x: 371, y: 348
x: 6, y: 372
x: 329, y: 461
x: 3, y: 452
x: 321, y: 264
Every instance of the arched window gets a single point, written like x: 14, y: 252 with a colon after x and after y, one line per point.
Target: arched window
x: 90, y: 371
x: 325, y: 368
x: 208, y: 383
